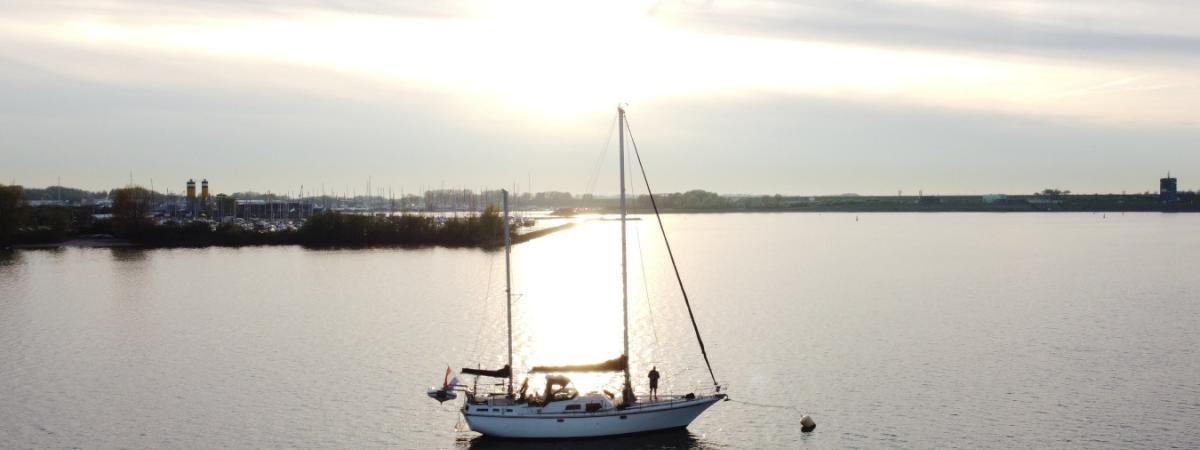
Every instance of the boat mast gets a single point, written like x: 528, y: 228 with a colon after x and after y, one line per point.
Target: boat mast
x: 508, y: 289
x: 627, y: 391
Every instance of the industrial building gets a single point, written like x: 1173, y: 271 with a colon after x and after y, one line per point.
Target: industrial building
x: 1168, y: 189
x: 198, y: 205
x: 191, y: 197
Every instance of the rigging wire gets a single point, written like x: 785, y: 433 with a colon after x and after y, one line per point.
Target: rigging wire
x: 649, y: 307
x: 806, y: 422
x: 591, y: 184
x: 646, y: 286
x: 766, y: 405
x: 637, y: 235
x: 671, y: 254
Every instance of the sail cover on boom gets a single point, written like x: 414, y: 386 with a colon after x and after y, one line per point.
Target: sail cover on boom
x: 617, y: 364
x: 504, y: 372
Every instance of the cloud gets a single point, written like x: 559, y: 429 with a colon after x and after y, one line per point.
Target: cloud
x: 182, y: 9
x: 759, y: 97
x: 800, y: 144
x: 549, y: 68
x: 1101, y: 30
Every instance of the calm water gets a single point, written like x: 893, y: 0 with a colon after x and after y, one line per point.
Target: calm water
x: 898, y: 330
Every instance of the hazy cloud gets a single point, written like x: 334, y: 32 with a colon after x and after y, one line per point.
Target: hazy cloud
x: 182, y: 9
x: 794, y: 97
x: 1057, y: 28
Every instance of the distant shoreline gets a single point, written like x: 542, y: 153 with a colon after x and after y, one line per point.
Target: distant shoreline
x: 82, y: 242
x: 819, y: 205
x: 267, y: 241
x: 875, y: 211
x: 1184, y: 202
x: 885, y: 210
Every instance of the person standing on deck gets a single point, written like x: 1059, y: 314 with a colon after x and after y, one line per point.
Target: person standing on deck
x: 653, y: 383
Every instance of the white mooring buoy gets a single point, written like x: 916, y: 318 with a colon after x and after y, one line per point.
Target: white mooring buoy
x: 807, y: 424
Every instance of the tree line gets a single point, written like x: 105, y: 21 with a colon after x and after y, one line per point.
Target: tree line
x: 131, y: 220
x: 22, y: 224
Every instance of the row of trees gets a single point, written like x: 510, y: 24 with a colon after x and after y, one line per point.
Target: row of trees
x: 131, y: 210
x: 22, y: 224
x: 63, y: 193
x: 335, y: 229
x: 11, y: 211
x: 693, y: 199
x: 131, y: 220
x: 1052, y: 193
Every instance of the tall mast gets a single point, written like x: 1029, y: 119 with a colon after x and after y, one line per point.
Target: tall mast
x: 508, y: 288
x: 627, y: 392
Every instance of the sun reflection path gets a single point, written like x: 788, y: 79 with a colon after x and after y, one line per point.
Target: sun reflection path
x: 567, y: 305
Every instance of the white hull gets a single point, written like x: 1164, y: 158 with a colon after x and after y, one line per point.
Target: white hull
x: 530, y: 423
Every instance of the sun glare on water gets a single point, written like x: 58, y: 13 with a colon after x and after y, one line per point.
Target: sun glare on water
x: 567, y: 307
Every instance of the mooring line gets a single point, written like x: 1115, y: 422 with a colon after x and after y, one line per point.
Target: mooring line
x: 806, y: 422
x: 764, y: 405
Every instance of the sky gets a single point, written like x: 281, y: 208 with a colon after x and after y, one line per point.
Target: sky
x: 738, y: 97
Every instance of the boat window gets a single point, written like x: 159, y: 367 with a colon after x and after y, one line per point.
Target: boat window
x: 495, y: 409
x: 572, y: 407
x: 507, y: 409
x: 593, y: 407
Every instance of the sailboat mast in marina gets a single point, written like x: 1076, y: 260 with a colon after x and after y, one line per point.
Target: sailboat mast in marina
x: 559, y: 411
x: 627, y: 389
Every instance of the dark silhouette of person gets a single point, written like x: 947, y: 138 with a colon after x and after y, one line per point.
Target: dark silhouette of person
x: 654, y: 383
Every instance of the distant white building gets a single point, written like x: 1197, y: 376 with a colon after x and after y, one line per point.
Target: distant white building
x: 41, y: 203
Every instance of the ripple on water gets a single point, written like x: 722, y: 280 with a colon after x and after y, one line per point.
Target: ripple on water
x: 906, y: 331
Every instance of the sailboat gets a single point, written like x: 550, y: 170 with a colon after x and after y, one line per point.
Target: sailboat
x: 559, y: 411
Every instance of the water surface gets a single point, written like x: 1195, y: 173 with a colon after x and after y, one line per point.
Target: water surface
x: 895, y: 330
